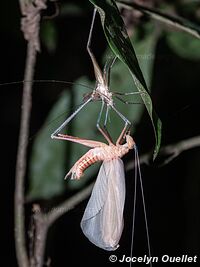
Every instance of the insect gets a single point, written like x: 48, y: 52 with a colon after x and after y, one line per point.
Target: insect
x: 100, y: 92
x: 102, y: 222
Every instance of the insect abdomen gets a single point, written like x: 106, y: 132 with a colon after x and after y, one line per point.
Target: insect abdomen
x: 86, y: 162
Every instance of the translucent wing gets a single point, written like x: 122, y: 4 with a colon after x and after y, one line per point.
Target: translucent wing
x: 102, y: 222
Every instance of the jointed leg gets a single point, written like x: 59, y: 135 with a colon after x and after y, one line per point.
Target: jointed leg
x: 105, y: 123
x: 118, y: 94
x: 130, y: 93
x: 127, y: 102
x: 106, y: 71
x: 54, y: 135
x: 126, y: 126
x: 121, y: 116
x: 103, y: 131
x: 123, y: 133
x: 106, y: 117
x: 97, y: 70
x: 82, y: 141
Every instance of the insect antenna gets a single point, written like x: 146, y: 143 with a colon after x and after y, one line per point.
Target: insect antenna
x: 134, y: 208
x: 143, y: 202
x: 138, y: 175
x: 46, y: 81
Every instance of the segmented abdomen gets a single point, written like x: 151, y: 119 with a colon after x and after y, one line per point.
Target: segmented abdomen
x: 94, y: 155
x: 87, y: 160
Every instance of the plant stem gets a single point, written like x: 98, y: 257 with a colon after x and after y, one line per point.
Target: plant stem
x: 41, y: 228
x: 69, y: 204
x: 43, y: 221
x: 168, y: 152
x: 30, y: 25
x: 20, y: 239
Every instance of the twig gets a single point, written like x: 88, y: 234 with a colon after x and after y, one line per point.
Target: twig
x: 41, y: 228
x: 174, y: 150
x: 43, y: 221
x: 69, y: 204
x: 168, y: 152
x: 29, y: 23
x: 21, y: 163
x: 175, y: 22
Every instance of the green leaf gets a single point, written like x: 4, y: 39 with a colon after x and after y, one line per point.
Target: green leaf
x: 178, y: 23
x: 120, y: 44
x: 145, y: 49
x: 121, y: 79
x: 183, y: 45
x: 46, y: 171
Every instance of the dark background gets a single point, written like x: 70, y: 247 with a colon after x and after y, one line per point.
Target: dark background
x: 171, y: 192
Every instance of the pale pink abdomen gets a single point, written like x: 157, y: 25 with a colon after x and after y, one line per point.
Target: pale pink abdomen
x: 97, y: 154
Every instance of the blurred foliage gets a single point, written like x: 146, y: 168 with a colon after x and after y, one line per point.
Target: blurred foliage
x: 52, y: 159
x: 48, y: 158
x: 71, y: 9
x: 121, y: 80
x: 49, y: 35
x: 183, y: 45
x: 175, y: 22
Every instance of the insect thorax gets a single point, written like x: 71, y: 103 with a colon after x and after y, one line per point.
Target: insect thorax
x: 102, y: 92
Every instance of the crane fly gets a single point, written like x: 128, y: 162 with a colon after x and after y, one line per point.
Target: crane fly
x: 100, y: 92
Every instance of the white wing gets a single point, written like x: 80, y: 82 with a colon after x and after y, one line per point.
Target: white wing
x: 102, y: 222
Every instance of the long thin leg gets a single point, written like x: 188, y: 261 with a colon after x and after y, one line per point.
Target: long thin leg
x: 118, y: 94
x: 106, y: 117
x: 129, y: 93
x: 126, y: 127
x: 127, y: 102
x: 121, y: 115
x: 103, y: 131
x: 124, y: 131
x: 55, y: 133
x: 97, y: 70
x: 105, y: 122
x: 106, y: 71
x: 82, y: 141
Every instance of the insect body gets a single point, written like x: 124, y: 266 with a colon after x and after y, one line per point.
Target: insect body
x: 101, y: 93
x: 100, y: 152
x: 102, y: 222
